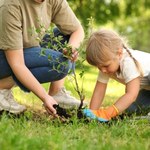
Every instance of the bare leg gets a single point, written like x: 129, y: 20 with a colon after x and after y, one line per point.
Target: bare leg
x: 7, y: 83
x: 56, y: 86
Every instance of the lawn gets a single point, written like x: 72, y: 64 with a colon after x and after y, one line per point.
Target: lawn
x: 36, y: 131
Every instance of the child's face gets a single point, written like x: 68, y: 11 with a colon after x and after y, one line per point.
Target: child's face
x: 110, y: 67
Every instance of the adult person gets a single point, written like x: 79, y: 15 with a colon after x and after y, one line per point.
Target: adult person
x: 20, y: 59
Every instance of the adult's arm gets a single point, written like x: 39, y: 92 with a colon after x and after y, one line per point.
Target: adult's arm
x: 65, y: 19
x: 75, y: 40
x: 15, y: 59
x: 76, y: 37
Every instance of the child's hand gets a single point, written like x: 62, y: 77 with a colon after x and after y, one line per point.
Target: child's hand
x: 96, y: 115
x: 102, y: 115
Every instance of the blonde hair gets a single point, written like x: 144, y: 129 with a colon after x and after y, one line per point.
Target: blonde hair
x: 103, y: 45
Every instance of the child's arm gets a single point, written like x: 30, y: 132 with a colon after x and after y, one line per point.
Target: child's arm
x: 132, y: 90
x: 98, y: 95
x: 104, y: 115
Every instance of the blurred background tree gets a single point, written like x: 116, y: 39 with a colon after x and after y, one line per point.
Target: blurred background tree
x: 131, y: 18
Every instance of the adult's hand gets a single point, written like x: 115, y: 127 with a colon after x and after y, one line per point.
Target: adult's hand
x: 48, y: 104
x: 74, y: 55
x: 71, y: 53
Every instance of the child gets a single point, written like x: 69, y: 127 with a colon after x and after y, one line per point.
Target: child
x: 107, y: 51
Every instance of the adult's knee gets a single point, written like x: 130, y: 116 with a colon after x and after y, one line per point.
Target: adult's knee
x: 65, y: 66
x: 63, y: 69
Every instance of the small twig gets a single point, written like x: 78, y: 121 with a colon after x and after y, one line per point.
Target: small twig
x: 80, y: 93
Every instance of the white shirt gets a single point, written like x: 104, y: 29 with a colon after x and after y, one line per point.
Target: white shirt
x: 128, y: 69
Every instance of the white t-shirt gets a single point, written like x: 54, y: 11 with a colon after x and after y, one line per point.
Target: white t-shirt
x: 128, y: 69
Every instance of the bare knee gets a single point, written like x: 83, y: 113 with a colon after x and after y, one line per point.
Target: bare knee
x: 7, y: 83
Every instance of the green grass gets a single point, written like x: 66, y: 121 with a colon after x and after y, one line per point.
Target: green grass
x: 35, y: 130
x: 28, y: 132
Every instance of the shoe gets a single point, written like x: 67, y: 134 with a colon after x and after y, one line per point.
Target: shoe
x: 65, y: 100
x: 8, y: 103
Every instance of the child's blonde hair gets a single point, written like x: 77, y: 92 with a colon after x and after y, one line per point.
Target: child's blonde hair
x: 103, y: 45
